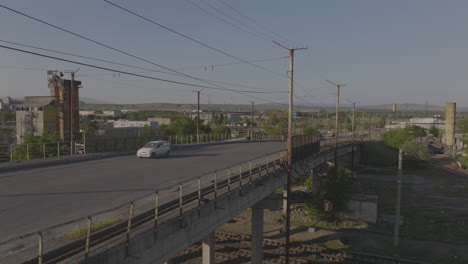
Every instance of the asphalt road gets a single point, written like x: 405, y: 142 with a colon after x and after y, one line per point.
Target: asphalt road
x: 34, y: 199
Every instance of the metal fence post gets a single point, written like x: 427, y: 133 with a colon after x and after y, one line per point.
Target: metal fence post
x: 250, y: 173
x: 11, y: 153
x: 156, y: 212
x: 40, y: 248
x: 27, y: 151
x: 229, y: 181
x: 267, y: 165
x: 88, y: 237
x: 129, y: 228
x: 181, y: 193
x: 259, y: 168
x: 216, y: 188
x: 43, y: 149
x: 240, y: 178
x: 199, y: 196
x: 58, y: 149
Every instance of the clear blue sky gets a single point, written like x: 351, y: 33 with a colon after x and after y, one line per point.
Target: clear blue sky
x: 395, y: 51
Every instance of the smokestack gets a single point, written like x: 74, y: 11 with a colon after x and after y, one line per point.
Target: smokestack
x: 450, y: 112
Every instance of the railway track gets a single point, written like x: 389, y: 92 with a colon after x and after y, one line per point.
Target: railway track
x: 237, y: 246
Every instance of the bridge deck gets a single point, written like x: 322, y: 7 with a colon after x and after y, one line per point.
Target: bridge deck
x: 34, y: 199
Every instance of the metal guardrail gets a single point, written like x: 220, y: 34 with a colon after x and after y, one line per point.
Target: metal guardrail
x: 141, y: 214
x: 22, y: 152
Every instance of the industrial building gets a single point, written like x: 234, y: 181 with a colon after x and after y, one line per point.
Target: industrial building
x: 35, y: 117
x: 54, y: 114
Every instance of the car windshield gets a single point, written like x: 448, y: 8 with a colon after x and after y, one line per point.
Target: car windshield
x: 151, y: 145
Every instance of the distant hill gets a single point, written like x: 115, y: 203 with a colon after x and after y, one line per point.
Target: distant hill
x: 87, y: 100
x: 87, y: 105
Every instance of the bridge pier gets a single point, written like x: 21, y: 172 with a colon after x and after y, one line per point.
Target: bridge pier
x: 271, y: 202
x: 257, y: 235
x: 208, y: 249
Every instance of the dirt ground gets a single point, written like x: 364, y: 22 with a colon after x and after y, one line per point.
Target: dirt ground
x: 434, y: 206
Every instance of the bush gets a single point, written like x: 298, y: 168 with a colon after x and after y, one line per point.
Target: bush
x: 336, y: 188
x: 416, y: 149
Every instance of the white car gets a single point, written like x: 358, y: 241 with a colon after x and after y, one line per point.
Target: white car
x: 154, y: 149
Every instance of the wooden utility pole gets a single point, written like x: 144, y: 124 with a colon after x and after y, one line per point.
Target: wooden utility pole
x: 252, y: 120
x: 198, y: 115
x: 398, y: 200
x: 290, y: 132
x: 337, y: 116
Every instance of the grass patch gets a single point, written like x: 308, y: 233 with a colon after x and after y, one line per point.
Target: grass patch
x: 81, y: 231
x: 333, y: 244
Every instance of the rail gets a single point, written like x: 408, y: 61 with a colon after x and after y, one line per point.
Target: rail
x: 141, y: 214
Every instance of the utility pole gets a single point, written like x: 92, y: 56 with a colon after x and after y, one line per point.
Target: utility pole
x: 337, y: 116
x: 370, y: 124
x: 398, y: 200
x: 289, y: 143
x: 198, y: 115
x: 252, y: 120
x: 353, y: 134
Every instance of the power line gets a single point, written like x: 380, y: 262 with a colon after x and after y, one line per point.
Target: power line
x: 143, y: 76
x: 252, y: 20
x: 223, y: 20
x: 191, y: 38
x: 147, y: 69
x: 124, y: 72
x: 102, y: 44
x: 259, y: 35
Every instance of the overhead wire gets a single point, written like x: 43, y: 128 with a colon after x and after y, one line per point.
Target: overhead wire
x: 102, y: 44
x: 223, y: 19
x: 139, y: 75
x: 191, y: 38
x: 260, y: 35
x: 137, y: 67
x: 252, y: 20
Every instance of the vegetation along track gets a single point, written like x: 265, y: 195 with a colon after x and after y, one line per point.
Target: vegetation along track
x: 235, y: 248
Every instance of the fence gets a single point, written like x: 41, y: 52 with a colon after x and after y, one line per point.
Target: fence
x: 93, y: 144
x: 38, y: 150
x: 79, y: 238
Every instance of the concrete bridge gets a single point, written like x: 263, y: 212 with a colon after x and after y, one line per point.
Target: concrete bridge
x: 158, y: 226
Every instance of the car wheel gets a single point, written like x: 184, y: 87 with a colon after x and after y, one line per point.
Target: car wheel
x: 167, y: 153
x: 153, y: 155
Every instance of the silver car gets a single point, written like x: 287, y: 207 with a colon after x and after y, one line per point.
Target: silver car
x: 154, y: 149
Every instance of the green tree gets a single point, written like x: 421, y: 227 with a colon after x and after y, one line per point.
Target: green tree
x: 434, y: 131
x: 336, y: 189
x: 416, y: 150
x: 37, y: 147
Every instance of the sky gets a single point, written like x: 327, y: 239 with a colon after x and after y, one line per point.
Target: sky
x: 386, y: 52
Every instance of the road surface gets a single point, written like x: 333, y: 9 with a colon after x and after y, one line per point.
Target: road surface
x: 34, y: 199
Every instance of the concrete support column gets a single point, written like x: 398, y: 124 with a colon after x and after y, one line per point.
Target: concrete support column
x: 208, y: 249
x: 257, y: 236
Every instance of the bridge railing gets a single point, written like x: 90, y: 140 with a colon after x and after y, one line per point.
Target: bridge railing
x: 77, y: 239
x: 23, y: 152
x: 30, y: 151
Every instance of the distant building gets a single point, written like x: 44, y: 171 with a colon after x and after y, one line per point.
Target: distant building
x: 127, y: 123
x: 425, y: 122
x: 113, y: 113
x: 7, y: 104
x: 160, y: 120
x: 36, y: 117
